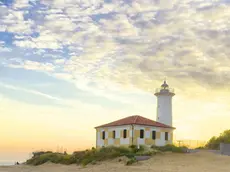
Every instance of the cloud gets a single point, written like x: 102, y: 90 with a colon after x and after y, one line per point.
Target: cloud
x: 21, y: 4
x: 30, y: 91
x: 29, y: 65
x: 133, y: 43
x: 104, y: 60
x: 13, y: 21
x: 3, y: 48
x: 31, y: 96
x: 38, y: 87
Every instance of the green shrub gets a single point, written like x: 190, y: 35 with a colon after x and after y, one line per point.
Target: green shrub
x: 146, y: 153
x: 214, y: 142
x: 141, y: 149
x: 86, y: 161
x: 67, y: 159
x: 133, y: 148
x: 40, y: 153
x: 131, y: 161
x: 200, y: 147
x: 51, y: 157
x: 170, y: 148
x: 130, y: 155
x: 88, y: 156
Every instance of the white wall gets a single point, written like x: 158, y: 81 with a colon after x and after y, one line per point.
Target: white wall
x: 126, y: 141
x: 164, y: 109
x: 158, y: 142
x: 118, y: 129
x: 161, y: 142
x: 100, y: 142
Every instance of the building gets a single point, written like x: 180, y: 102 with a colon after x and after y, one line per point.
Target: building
x: 138, y: 130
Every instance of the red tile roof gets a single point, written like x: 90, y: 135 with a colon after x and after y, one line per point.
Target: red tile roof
x: 138, y: 120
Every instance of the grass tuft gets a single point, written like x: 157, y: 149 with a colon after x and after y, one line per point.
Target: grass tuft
x: 95, y: 155
x: 170, y: 148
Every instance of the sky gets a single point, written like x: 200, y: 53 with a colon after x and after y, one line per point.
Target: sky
x: 67, y: 66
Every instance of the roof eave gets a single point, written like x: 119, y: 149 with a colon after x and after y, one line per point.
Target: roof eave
x: 135, y: 124
x: 111, y: 126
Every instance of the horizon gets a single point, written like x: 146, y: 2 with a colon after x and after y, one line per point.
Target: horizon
x: 68, y: 66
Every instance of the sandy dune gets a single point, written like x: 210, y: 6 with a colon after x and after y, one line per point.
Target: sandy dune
x: 201, y: 161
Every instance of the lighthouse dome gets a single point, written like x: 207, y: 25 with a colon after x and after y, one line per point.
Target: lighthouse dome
x: 164, y: 85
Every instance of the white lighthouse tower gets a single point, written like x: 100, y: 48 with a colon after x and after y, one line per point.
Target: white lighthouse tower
x: 164, y: 104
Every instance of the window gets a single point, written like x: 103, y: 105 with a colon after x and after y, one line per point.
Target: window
x: 103, y: 135
x: 114, y: 134
x: 154, y: 135
x: 124, y: 133
x: 141, y: 134
x: 166, y: 135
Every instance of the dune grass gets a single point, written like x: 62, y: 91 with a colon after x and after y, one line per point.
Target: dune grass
x: 171, y: 148
x: 95, y: 155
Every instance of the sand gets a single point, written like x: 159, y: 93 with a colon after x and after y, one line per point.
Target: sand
x: 202, y: 161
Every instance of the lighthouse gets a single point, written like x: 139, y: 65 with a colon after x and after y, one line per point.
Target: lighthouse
x: 164, y: 104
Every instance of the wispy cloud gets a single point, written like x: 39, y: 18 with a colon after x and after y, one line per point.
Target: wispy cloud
x: 133, y: 43
x: 30, y: 91
x: 111, y: 49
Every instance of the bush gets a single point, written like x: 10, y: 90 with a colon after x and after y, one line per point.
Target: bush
x: 142, y: 149
x: 131, y: 161
x: 51, y: 157
x: 170, y: 148
x: 80, y: 157
x: 40, y: 153
x: 133, y: 148
x: 146, y: 153
x: 121, y: 150
x: 90, y: 156
x: 200, y: 147
x: 214, y: 142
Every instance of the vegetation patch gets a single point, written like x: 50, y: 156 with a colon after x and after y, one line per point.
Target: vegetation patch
x: 170, y: 148
x: 200, y: 147
x: 95, y: 155
x: 81, y: 157
x: 131, y: 161
x: 214, y: 142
